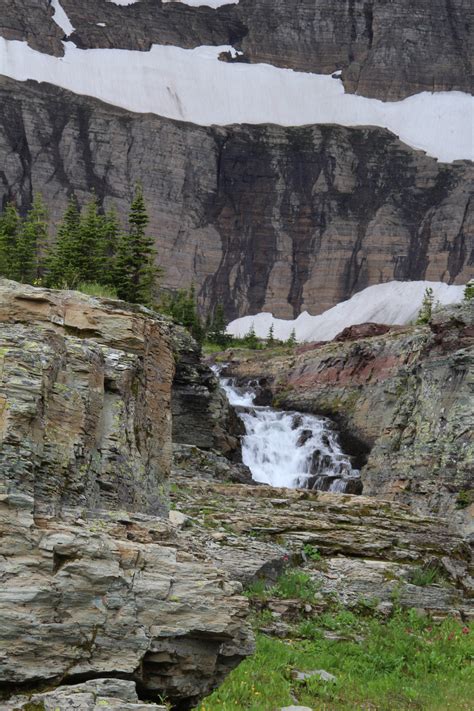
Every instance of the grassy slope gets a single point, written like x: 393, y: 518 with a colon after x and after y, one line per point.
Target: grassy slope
x: 407, y: 662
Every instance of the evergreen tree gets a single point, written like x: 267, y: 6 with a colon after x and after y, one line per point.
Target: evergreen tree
x: 182, y: 307
x: 271, y: 336
x: 108, y: 246
x: 250, y: 339
x: 32, y: 242
x: 88, y: 244
x: 217, y: 329
x: 469, y: 291
x: 61, y: 264
x: 10, y: 224
x: 135, y: 271
x: 291, y: 342
x: 426, y: 310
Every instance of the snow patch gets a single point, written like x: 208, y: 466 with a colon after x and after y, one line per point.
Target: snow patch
x: 123, y: 2
x: 61, y: 18
x: 205, y: 3
x: 393, y: 303
x: 191, y: 85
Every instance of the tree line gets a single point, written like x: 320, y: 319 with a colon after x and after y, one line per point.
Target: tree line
x: 91, y: 248
x: 95, y: 254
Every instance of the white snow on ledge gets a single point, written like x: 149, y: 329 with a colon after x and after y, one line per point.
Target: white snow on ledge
x: 61, y: 18
x: 205, y: 3
x: 192, y: 85
x: 393, y: 303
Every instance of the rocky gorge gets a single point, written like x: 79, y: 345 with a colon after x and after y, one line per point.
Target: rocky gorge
x: 256, y: 491
x: 122, y: 573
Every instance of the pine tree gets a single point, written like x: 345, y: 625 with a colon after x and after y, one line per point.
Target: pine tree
x: 88, y: 244
x: 426, y: 310
x: 108, y: 246
x: 251, y: 340
x: 217, y: 329
x: 271, y: 336
x: 61, y: 264
x: 135, y: 271
x: 469, y: 291
x: 10, y: 224
x: 32, y: 242
x: 291, y: 342
x: 182, y: 307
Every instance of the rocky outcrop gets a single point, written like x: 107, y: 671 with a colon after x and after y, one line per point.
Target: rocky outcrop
x: 402, y: 401
x: 97, y: 584
x: 355, y: 548
x: 90, y: 696
x: 85, y: 414
x: 259, y: 217
x: 202, y: 416
x: 118, y: 596
x: 386, y: 50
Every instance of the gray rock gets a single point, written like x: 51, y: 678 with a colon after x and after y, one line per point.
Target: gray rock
x: 319, y: 673
x: 89, y: 696
x: 217, y: 194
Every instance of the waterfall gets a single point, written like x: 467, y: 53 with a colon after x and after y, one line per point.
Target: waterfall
x: 290, y: 449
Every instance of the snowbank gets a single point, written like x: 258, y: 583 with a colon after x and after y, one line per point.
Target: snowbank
x: 61, y: 18
x: 392, y: 303
x: 192, y: 85
x: 207, y: 3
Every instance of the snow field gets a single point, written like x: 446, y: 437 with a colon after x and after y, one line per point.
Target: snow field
x: 393, y: 303
x: 192, y: 85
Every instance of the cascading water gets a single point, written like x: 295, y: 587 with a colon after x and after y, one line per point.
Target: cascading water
x: 290, y: 449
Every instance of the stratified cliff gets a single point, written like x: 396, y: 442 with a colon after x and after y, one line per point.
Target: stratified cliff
x: 403, y: 400
x: 260, y: 217
x: 387, y: 50
x: 97, y: 583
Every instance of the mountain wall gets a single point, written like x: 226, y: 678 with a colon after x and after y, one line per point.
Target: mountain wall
x: 260, y: 217
x: 387, y: 50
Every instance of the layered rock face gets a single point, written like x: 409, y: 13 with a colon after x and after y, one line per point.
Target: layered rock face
x: 86, y: 386
x: 202, y: 416
x: 386, y: 50
x: 94, y: 584
x: 403, y: 401
x: 367, y: 548
x: 260, y: 217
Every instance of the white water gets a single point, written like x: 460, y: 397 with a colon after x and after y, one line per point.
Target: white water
x: 288, y: 449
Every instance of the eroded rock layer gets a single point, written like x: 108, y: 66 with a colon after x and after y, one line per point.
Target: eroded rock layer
x: 386, y: 50
x: 96, y: 581
x: 403, y: 399
x: 259, y: 217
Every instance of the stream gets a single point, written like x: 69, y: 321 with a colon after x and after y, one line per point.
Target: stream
x: 290, y: 449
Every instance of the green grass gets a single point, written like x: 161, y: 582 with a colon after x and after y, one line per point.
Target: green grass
x: 93, y: 289
x: 290, y: 585
x: 426, y: 576
x: 407, y: 663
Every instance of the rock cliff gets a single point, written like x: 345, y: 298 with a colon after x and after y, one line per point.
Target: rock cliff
x: 403, y: 402
x: 260, y: 217
x: 97, y: 584
x: 386, y: 50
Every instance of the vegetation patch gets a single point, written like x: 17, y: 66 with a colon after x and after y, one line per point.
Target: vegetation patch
x: 405, y: 663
